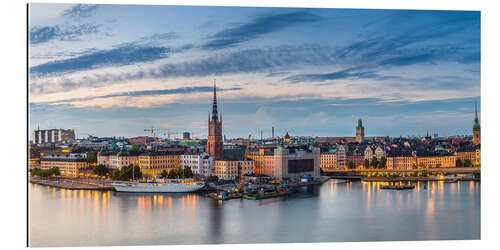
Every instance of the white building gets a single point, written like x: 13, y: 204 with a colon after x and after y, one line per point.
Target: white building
x: 201, y: 164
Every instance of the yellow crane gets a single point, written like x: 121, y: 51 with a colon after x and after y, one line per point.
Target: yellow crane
x: 240, y: 171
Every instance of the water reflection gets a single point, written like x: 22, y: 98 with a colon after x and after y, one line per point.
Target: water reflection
x: 351, y: 211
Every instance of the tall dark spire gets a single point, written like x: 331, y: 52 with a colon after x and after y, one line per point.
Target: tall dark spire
x: 215, y: 117
x: 476, y: 125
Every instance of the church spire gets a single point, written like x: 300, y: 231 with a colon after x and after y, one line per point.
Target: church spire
x: 215, y: 117
x: 476, y: 118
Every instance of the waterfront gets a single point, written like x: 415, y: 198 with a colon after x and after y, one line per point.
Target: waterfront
x: 332, y: 212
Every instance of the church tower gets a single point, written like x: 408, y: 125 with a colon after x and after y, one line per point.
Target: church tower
x: 476, y: 129
x: 215, y: 144
x: 360, y: 132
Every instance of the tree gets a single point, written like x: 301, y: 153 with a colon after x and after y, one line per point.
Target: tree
x: 164, y: 174
x: 350, y: 165
x: 366, y: 163
x: 467, y: 163
x: 459, y: 163
x: 100, y: 170
x: 383, y: 162
x: 374, y: 162
x: 188, y: 173
x: 172, y: 174
x: 127, y: 173
x: 92, y: 157
x: 134, y: 149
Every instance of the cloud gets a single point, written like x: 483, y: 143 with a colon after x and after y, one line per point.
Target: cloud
x: 350, y: 73
x: 185, y: 90
x: 80, y: 11
x: 263, y: 25
x: 162, y: 36
x: 43, y: 34
x: 124, y: 55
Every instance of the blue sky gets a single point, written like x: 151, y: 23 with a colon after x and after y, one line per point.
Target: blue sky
x: 117, y: 69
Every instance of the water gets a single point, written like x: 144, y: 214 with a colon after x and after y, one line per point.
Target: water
x: 331, y: 212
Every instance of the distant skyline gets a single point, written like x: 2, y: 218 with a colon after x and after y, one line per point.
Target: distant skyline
x: 114, y: 70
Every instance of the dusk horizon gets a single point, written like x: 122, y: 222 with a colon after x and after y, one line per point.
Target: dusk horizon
x: 107, y: 70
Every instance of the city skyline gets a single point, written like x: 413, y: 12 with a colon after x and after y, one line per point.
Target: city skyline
x: 107, y: 70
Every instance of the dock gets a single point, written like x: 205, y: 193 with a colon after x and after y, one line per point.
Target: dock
x: 72, y: 184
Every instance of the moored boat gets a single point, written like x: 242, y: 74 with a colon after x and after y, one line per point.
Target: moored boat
x: 165, y: 186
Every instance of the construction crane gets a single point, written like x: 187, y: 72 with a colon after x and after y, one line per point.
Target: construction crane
x: 240, y: 171
x: 153, y: 132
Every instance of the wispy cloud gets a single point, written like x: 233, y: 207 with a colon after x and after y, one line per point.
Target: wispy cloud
x: 43, y: 34
x: 350, y: 73
x: 80, y: 11
x: 123, y: 55
x: 185, y: 90
x: 263, y: 25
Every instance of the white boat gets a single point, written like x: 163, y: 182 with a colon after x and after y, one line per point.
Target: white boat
x: 167, y: 186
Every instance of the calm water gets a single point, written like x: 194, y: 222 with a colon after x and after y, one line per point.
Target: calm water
x: 331, y: 212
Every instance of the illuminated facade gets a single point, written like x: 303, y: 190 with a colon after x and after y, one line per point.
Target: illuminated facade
x: 201, y: 164
x: 69, y: 165
x: 436, y: 161
x: 286, y: 162
x: 400, y: 161
x: 228, y: 169
x: 328, y: 160
x: 153, y: 163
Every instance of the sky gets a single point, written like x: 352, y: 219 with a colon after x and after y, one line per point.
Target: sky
x: 115, y: 70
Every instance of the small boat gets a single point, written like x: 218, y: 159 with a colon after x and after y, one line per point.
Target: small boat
x: 397, y: 187
x: 261, y: 196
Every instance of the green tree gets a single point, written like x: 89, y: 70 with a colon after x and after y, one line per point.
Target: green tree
x: 134, y: 149
x: 101, y: 170
x: 459, y: 163
x: 172, y: 174
x: 188, y: 173
x: 350, y: 165
x: 366, y: 163
x: 467, y: 163
x: 92, y: 157
x: 127, y: 173
x: 382, y: 163
x: 374, y: 162
x: 164, y: 174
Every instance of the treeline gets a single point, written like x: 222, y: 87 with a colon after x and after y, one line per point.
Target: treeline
x: 177, y: 173
x: 53, y: 171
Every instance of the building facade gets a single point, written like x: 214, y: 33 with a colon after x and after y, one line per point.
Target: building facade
x: 402, y: 160
x: 201, y: 164
x: 53, y: 136
x: 229, y: 169
x: 328, y: 161
x: 435, y: 161
x: 69, y: 165
x: 287, y: 162
x: 215, y: 143
x: 153, y: 163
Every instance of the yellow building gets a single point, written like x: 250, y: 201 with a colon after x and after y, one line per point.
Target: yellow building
x: 436, y: 161
x: 263, y: 160
x: 228, y: 169
x: 400, y: 160
x: 153, y: 163
x: 328, y: 161
x: 69, y: 166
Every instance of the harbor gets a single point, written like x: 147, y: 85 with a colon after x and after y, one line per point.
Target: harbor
x: 318, y: 209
